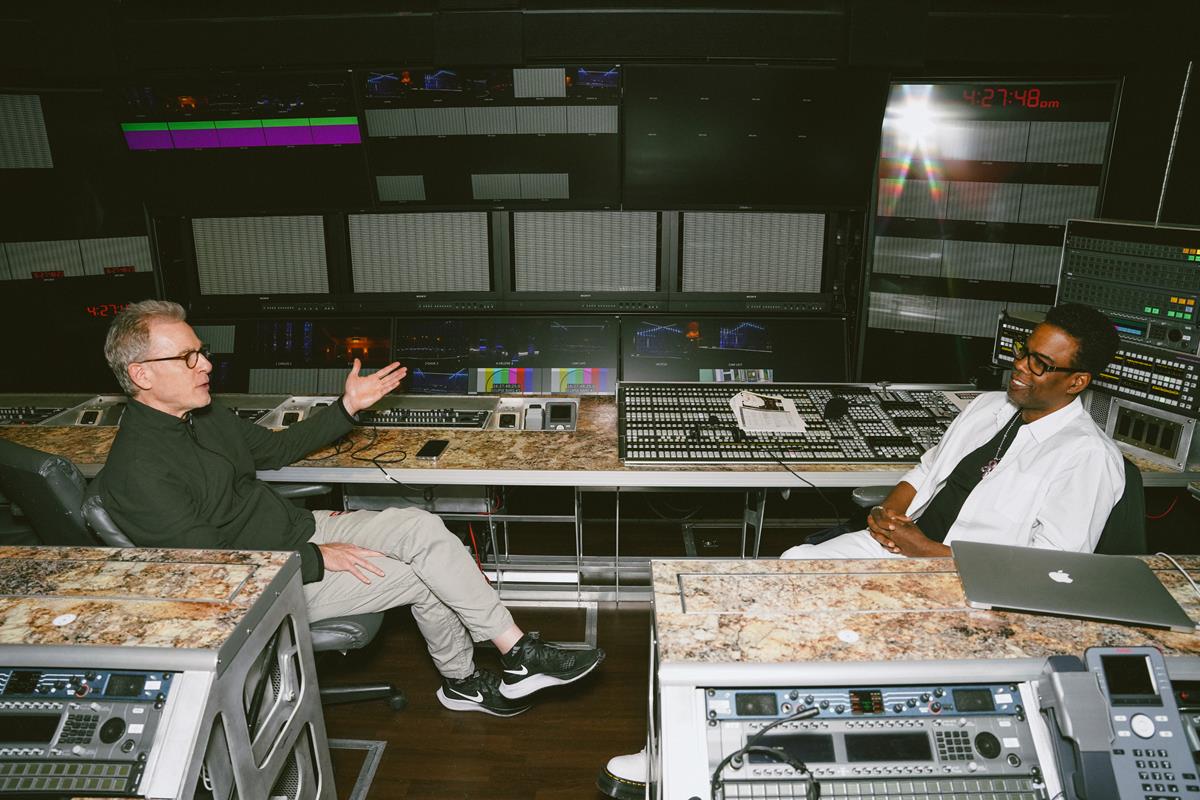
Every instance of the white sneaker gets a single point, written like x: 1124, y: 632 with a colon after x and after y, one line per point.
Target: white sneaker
x: 624, y: 777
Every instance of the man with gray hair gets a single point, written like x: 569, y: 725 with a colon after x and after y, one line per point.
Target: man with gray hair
x: 181, y: 473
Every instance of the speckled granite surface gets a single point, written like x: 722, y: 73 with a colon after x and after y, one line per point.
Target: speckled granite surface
x: 593, y: 446
x: 870, y: 610
x: 142, y: 597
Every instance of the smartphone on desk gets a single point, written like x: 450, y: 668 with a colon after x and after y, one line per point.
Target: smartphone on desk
x: 431, y: 450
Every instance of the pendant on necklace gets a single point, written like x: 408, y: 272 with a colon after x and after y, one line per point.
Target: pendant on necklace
x: 989, y: 466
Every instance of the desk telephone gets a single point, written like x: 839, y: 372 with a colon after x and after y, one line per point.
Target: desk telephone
x: 1115, y: 726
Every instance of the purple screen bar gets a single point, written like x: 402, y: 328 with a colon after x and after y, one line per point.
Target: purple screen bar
x: 241, y: 133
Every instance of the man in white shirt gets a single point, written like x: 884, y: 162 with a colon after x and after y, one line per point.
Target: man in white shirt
x: 1028, y: 467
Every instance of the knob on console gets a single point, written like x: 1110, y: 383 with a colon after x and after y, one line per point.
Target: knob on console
x: 111, y: 731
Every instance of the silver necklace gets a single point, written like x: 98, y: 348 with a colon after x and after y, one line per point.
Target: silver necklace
x: 991, y: 465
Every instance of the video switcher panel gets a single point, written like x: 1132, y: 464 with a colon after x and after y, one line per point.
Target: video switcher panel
x: 1145, y: 278
x: 1152, y: 376
x: 693, y: 423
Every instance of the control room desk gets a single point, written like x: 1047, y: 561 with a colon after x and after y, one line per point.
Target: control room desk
x: 206, y: 625
x: 835, y: 623
x: 587, y: 457
x: 585, y: 460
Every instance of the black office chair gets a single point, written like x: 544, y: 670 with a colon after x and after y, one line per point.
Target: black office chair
x: 1124, y: 532
x: 48, y: 490
x: 53, y: 495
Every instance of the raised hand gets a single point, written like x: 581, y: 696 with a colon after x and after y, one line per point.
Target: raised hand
x: 364, y: 391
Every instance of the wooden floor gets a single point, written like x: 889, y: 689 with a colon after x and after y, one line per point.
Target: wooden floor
x: 551, y: 752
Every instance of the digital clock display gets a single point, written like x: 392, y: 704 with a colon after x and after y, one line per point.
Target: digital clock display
x: 104, y: 309
x: 1006, y: 96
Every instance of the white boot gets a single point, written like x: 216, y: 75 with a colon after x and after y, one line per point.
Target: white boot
x: 624, y: 777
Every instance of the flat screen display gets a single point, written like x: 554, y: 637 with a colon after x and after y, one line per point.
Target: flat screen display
x: 807, y: 748
x: 888, y: 747
x: 493, y: 355
x: 37, y: 728
x: 732, y: 349
x: 321, y: 342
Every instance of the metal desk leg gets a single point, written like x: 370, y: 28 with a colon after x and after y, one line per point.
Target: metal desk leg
x: 755, y: 514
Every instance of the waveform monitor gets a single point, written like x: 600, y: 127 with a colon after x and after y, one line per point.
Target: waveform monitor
x: 493, y: 355
x: 1146, y: 278
x: 733, y: 349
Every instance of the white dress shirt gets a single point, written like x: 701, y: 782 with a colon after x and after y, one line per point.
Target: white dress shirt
x: 1054, y: 487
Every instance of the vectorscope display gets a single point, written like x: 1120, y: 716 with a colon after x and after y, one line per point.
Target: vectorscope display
x: 536, y: 355
x: 732, y: 349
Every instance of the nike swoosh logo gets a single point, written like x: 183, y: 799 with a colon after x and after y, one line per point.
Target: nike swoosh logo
x: 477, y: 697
x: 524, y: 670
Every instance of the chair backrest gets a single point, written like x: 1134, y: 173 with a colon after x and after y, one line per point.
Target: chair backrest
x: 49, y: 490
x: 1124, y: 533
x: 100, y: 522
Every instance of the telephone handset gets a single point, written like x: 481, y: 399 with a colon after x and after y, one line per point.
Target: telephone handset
x: 1115, y: 727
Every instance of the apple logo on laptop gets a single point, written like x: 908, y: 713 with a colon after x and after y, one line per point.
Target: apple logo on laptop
x: 1058, y: 576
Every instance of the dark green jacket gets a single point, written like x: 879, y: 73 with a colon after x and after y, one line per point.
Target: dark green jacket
x: 171, y: 482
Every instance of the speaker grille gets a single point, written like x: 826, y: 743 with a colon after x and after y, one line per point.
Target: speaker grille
x: 585, y: 252
x: 419, y: 252
x: 752, y: 252
x: 261, y: 255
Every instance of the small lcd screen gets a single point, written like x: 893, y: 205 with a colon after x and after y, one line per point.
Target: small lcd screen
x: 869, y: 701
x: 757, y: 705
x: 22, y: 682
x: 559, y: 412
x: 125, y: 686
x: 35, y: 728
x: 973, y: 700
x: 888, y: 747
x: 806, y: 747
x: 1128, y: 675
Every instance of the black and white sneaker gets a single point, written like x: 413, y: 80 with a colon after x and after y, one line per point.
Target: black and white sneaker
x: 533, y: 664
x: 478, y: 692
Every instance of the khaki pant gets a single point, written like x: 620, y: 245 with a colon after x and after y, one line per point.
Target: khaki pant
x: 426, y: 567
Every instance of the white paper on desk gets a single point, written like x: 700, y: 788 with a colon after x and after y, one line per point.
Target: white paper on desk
x: 766, y: 413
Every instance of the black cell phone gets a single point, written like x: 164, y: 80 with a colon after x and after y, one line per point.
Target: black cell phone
x: 432, y: 449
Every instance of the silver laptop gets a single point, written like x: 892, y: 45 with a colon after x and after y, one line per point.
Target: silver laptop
x: 1109, y: 588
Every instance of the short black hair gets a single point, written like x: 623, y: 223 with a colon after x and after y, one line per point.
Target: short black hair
x: 1093, y: 332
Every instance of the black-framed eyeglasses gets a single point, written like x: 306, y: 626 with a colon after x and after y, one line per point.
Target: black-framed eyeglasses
x: 1037, y: 365
x: 190, y: 358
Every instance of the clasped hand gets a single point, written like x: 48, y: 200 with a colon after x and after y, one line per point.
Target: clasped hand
x: 897, y: 533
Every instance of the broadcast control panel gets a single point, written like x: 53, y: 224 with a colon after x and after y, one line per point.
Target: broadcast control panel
x: 78, y: 731
x: 444, y: 411
x: 876, y: 741
x: 694, y: 423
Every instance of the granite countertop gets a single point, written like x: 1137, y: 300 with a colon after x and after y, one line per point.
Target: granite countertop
x: 766, y: 612
x: 125, y: 597
x: 590, y: 448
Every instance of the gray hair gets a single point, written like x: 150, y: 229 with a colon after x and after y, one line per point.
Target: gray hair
x: 129, y: 336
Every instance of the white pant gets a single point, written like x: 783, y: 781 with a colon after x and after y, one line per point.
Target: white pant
x: 858, y: 544
x: 426, y: 567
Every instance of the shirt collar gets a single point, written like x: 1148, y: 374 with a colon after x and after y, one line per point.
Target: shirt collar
x: 1042, y: 429
x: 153, y: 418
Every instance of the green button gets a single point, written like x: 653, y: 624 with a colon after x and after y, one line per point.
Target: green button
x: 1155, y: 311
x: 1146, y: 309
x: 1187, y: 316
x: 1171, y: 314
